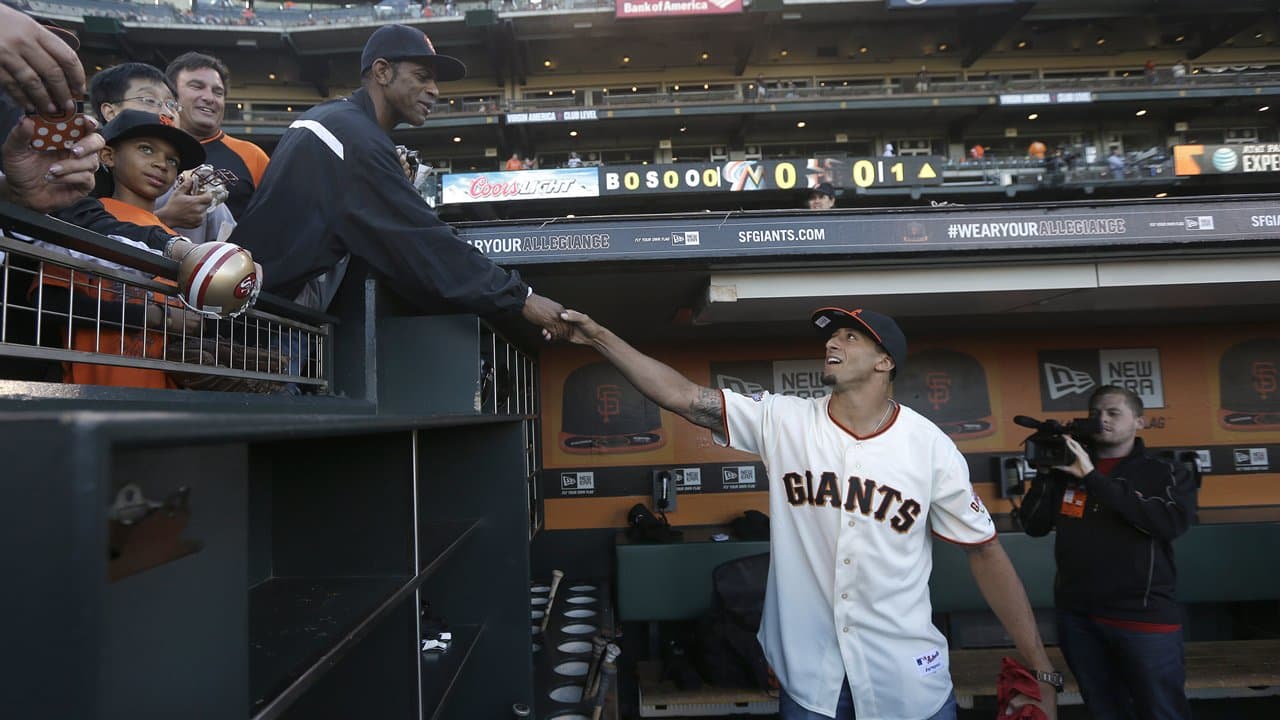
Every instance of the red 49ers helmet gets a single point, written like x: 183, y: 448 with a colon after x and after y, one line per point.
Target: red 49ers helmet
x: 218, y: 279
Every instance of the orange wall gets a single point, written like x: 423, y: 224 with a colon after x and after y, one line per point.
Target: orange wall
x: 1192, y: 416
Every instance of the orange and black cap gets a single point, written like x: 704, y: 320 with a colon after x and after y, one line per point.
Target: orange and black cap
x: 136, y: 123
x: 881, y: 328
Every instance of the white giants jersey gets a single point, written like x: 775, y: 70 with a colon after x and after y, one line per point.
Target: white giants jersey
x: 850, y: 520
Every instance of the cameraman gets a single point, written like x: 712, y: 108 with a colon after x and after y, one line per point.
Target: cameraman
x: 1117, y: 510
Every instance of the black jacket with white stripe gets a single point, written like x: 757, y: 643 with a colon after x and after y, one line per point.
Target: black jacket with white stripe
x: 335, y: 188
x: 1115, y: 561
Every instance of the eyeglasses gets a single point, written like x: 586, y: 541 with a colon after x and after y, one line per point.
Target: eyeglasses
x: 153, y: 103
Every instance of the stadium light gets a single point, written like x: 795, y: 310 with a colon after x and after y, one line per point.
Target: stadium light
x: 457, y: 138
x: 1100, y: 41
x: 1162, y: 195
x: 1264, y: 108
x: 800, y: 124
x: 1140, y: 113
x: 1022, y: 44
x: 626, y: 59
x: 784, y: 52
x: 1033, y: 116
x: 704, y: 56
x: 573, y: 133
x: 271, y: 76
x: 864, y: 50
x: 546, y: 63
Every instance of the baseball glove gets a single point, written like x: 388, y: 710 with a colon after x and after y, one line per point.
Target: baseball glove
x: 220, y: 352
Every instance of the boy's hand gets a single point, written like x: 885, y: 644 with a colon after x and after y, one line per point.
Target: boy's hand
x: 183, y: 209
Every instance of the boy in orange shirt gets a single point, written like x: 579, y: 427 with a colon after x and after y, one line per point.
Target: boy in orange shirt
x: 145, y: 155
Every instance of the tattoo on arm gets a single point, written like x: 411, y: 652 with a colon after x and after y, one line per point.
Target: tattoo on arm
x: 706, y: 409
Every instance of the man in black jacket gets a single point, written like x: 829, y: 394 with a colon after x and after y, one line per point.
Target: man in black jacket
x: 1117, y: 510
x: 335, y: 189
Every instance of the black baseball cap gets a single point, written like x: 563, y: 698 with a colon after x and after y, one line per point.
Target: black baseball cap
x: 881, y: 328
x: 823, y: 188
x: 136, y: 123
x: 400, y: 42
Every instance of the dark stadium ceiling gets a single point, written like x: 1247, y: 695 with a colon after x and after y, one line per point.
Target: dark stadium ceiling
x: 594, y: 41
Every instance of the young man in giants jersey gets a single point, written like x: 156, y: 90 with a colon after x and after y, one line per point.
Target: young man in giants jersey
x: 858, y: 485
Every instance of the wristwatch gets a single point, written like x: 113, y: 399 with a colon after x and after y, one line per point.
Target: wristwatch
x: 1052, y: 677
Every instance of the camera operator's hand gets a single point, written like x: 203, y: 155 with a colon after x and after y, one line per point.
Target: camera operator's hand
x: 1083, y: 465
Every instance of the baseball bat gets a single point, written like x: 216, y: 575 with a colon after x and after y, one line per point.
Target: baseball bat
x: 598, y: 645
x: 608, y: 677
x: 556, y: 577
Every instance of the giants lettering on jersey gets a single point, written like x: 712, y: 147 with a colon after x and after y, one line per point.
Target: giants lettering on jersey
x: 860, y: 495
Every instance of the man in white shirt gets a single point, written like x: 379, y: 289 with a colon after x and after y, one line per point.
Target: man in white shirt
x: 859, y: 484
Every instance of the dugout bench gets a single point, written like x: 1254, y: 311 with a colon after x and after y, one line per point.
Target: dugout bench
x: 1228, y: 558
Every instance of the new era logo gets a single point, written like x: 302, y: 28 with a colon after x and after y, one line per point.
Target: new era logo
x: 577, y: 481
x: 1062, y: 381
x: 686, y: 238
x: 1199, y: 222
x: 739, y: 475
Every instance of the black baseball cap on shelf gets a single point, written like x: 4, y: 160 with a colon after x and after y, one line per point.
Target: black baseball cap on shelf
x: 1238, y: 388
x: 823, y: 188
x: 585, y: 411
x: 881, y: 328
x: 400, y: 42
x: 950, y: 388
x: 136, y: 123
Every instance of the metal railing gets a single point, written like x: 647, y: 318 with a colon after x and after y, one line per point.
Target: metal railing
x: 70, y: 307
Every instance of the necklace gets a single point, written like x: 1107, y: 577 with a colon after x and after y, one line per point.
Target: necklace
x: 885, y: 417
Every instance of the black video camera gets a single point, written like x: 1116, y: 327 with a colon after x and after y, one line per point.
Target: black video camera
x: 1047, y: 447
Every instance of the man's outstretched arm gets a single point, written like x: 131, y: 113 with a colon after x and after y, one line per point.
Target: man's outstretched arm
x: 1004, y: 592
x: 655, y: 380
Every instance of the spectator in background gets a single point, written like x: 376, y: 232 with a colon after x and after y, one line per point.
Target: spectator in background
x: 201, y: 81
x: 822, y: 197
x: 1179, y: 72
x: 922, y: 79
x: 574, y: 161
x: 888, y: 150
x: 138, y: 86
x: 977, y: 153
x: 761, y: 92
x: 514, y: 162
x: 530, y: 163
x: 1037, y: 150
x: 1149, y: 71
x: 1116, y: 163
